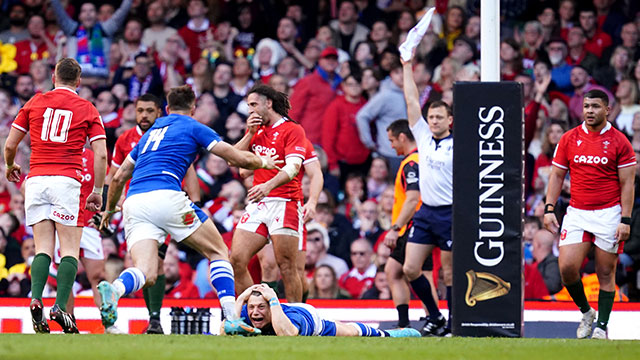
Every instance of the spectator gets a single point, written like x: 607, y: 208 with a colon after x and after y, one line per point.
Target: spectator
x: 131, y: 45
x: 406, y: 20
x: 609, y: 21
x: 177, y: 287
x: 444, y: 75
x: 8, y: 112
x: 619, y: 68
x: 107, y: 106
x: 360, y: 278
x: 155, y: 36
x: 534, y: 285
x: 510, y: 59
x: 454, y: 24
x: 241, y: 81
x: 236, y: 126
x: 201, y: 79
x: 547, y: 263
x: 630, y: 35
x: 17, y: 20
x: 176, y: 15
x: 340, y: 139
x: 531, y: 44
x: 89, y: 41
x: 313, y: 93
x: 145, y: 78
x: 325, y: 285
x: 318, y: 244
x: 280, y: 83
x: 37, y: 46
x: 578, y: 55
x: 198, y: 31
x: 173, y: 62
x: 246, y: 37
x: 531, y: 226
x: 25, y: 89
x: 581, y: 81
x: 206, y: 110
x: 597, y: 40
x: 380, y: 289
x: 365, y: 54
x: 378, y: 179
x: 542, y: 167
x: 560, y: 71
x: 339, y: 228
x: 367, y: 223
x: 226, y: 100
x: 41, y: 74
x: 380, y: 35
x: 383, y: 108
x: 105, y: 12
x: 566, y: 14
x: 626, y: 106
x: 290, y: 70
x: 370, y: 82
x: 547, y: 18
x: 287, y: 34
x: 464, y: 50
x: 472, y: 30
x: 349, y: 31
x: 385, y: 208
x: 268, y: 55
x: 212, y: 175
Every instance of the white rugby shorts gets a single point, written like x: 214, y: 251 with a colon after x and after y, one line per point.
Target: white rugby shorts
x: 90, y: 245
x: 154, y: 214
x: 595, y: 226
x: 55, y: 198
x: 273, y: 216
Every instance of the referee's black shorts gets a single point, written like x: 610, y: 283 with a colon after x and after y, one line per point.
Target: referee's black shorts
x: 398, y: 252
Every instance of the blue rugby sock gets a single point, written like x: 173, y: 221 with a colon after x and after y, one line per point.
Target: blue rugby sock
x: 221, y: 277
x: 368, y: 331
x: 129, y: 281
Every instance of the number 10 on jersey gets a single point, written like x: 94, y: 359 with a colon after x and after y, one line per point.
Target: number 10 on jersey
x: 56, y: 124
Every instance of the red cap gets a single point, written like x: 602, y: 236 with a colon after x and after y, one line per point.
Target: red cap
x: 329, y: 51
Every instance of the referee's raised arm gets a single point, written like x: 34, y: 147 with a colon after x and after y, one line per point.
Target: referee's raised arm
x: 411, y: 97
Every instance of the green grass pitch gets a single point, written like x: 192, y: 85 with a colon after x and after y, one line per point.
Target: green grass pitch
x: 143, y: 347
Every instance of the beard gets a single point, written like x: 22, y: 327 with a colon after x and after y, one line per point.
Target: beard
x: 17, y: 21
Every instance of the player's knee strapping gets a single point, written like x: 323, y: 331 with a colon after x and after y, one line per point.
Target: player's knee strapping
x: 132, y: 280
x: 367, y: 331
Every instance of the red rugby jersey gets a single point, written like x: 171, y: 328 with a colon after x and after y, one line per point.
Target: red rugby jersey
x: 59, y: 123
x: 593, y: 160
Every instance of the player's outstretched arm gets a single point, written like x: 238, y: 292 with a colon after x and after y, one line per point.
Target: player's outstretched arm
x: 556, y: 179
x: 286, y: 174
x: 627, y: 178
x: 280, y: 322
x: 94, y: 200
x: 411, y: 96
x: 115, y: 190
x: 12, y: 169
x: 314, y: 171
x: 244, y: 159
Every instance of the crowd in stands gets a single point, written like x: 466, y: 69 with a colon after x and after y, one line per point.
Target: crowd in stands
x: 339, y: 63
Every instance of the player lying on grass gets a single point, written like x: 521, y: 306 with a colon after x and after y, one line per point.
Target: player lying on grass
x: 259, y: 306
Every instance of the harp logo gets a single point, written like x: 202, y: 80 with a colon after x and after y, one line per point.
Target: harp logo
x: 484, y: 286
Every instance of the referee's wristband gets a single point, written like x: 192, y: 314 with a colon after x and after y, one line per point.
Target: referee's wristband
x: 625, y: 220
x: 97, y: 190
x: 274, y: 302
x: 549, y: 208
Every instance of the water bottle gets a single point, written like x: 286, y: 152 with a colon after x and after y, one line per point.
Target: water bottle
x: 174, y: 320
x: 182, y: 320
x: 204, y: 320
x: 189, y: 326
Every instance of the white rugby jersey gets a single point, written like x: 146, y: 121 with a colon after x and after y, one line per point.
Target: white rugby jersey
x: 435, y: 165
